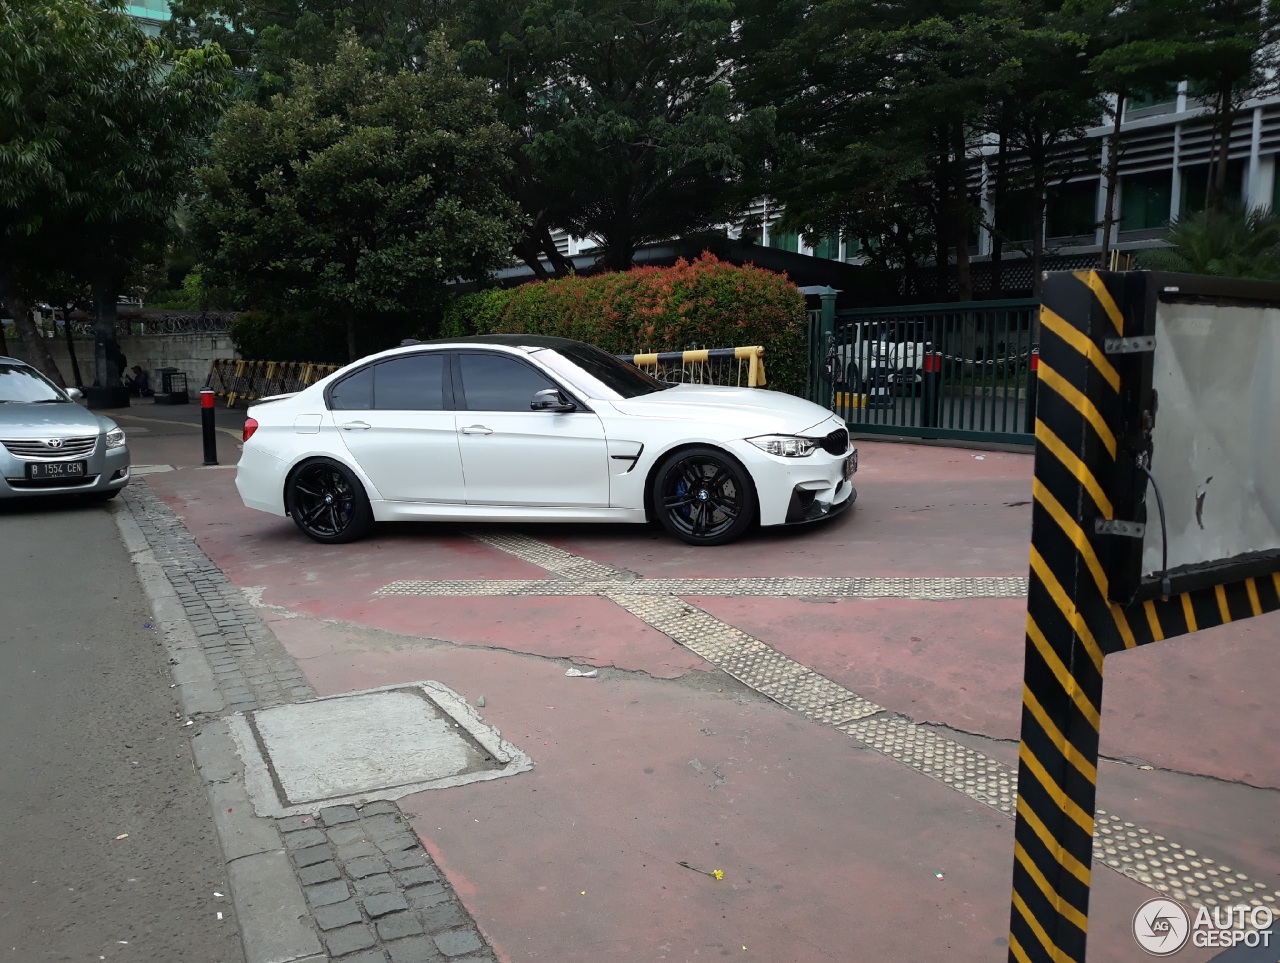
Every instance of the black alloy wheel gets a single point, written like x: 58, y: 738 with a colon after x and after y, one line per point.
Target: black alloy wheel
x: 328, y: 502
x: 703, y: 497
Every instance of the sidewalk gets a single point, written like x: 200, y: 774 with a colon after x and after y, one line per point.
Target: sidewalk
x: 890, y: 646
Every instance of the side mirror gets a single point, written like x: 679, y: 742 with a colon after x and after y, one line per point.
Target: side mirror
x: 549, y: 399
x: 75, y: 394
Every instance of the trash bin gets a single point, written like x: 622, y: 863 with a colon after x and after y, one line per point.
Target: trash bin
x: 172, y: 389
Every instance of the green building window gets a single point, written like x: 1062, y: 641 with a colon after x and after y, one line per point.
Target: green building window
x: 828, y: 247
x: 1145, y: 200
x: 784, y: 241
x: 1016, y: 217
x: 1195, y: 186
x: 1165, y: 93
x: 1072, y: 210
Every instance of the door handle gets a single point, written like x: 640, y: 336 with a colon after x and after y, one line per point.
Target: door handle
x: 355, y: 426
x: 476, y: 430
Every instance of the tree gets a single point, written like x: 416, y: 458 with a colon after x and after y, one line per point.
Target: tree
x: 1221, y: 47
x: 100, y: 133
x: 1042, y: 102
x: 1230, y: 242
x: 881, y: 104
x: 359, y: 192
x: 628, y: 131
x: 637, y: 134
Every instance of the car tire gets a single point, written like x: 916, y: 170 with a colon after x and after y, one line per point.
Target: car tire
x: 327, y: 502
x: 703, y: 496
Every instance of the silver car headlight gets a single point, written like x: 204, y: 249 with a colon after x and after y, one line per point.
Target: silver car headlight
x: 788, y: 446
x: 115, y: 438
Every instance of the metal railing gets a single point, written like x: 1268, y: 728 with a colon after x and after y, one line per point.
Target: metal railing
x: 963, y: 370
x: 740, y: 367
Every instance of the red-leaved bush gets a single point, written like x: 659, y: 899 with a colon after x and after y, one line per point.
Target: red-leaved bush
x: 708, y: 303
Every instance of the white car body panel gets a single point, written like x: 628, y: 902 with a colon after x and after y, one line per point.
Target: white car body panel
x: 538, y: 465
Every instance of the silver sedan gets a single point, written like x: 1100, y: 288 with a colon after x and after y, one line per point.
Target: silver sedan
x: 49, y: 445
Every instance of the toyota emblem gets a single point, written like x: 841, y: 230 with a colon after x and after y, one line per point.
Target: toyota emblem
x: 53, y: 443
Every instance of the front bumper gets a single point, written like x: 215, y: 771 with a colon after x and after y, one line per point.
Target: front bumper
x: 104, y: 470
x: 796, y: 491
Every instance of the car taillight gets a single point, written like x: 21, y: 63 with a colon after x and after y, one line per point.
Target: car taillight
x: 250, y: 426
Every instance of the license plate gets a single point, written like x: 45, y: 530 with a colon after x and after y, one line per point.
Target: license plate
x: 57, y: 469
x: 850, y: 466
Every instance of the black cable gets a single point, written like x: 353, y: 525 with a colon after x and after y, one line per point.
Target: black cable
x: 1166, y: 586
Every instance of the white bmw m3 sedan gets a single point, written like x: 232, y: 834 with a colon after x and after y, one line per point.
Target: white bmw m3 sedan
x: 527, y: 428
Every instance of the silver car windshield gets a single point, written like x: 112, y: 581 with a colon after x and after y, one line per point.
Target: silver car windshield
x: 21, y: 383
x: 597, y: 373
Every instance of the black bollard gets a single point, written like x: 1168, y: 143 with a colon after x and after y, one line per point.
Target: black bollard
x: 206, y: 423
x: 931, y: 390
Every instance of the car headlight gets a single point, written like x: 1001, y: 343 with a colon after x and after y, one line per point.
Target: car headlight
x: 788, y: 446
x: 115, y: 438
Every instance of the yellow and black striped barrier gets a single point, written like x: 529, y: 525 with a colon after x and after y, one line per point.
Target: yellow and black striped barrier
x: 1084, y: 455
x: 236, y: 380
x: 706, y: 366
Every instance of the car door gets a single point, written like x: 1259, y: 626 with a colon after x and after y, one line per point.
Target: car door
x: 396, y: 418
x: 512, y: 455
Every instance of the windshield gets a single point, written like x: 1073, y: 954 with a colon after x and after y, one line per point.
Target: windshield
x: 20, y: 382
x: 598, y: 373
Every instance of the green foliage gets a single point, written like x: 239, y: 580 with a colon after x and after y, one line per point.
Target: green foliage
x: 98, y: 134
x: 359, y: 193
x: 1229, y: 243
x: 288, y: 336
x: 192, y: 296
x: 478, y: 313
x: 707, y: 302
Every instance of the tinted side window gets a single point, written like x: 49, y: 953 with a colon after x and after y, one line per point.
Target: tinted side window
x: 415, y: 383
x: 495, y: 382
x: 354, y: 393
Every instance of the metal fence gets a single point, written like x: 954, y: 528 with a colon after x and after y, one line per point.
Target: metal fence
x: 962, y: 370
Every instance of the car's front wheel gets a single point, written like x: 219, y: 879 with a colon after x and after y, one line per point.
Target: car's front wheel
x: 703, y: 497
x: 328, y: 502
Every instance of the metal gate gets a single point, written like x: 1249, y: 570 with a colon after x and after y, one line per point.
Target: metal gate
x: 962, y: 370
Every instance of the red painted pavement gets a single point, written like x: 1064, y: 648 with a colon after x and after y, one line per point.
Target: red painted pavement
x: 829, y: 851
x: 839, y: 844
x: 1201, y: 703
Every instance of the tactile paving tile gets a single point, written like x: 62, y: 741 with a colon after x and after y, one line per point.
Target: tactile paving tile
x: 817, y: 697
x: 585, y: 579
x: 551, y: 558
x: 963, y: 769
x: 690, y: 626
x: 1174, y: 870
x: 760, y: 667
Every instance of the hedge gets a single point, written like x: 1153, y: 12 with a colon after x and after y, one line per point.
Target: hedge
x: 708, y: 303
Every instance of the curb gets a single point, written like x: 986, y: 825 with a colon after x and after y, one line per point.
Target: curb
x: 270, y: 908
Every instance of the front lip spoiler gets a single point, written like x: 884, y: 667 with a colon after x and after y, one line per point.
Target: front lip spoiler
x: 837, y: 510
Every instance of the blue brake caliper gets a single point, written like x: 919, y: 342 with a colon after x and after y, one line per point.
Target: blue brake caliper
x: 686, y: 510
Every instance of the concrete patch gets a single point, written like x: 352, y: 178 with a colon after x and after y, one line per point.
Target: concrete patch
x: 382, y: 743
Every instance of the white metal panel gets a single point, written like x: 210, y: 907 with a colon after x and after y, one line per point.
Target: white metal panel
x: 1217, y: 433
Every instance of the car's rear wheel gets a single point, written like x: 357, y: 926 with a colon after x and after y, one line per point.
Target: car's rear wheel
x: 328, y: 502
x: 703, y: 497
